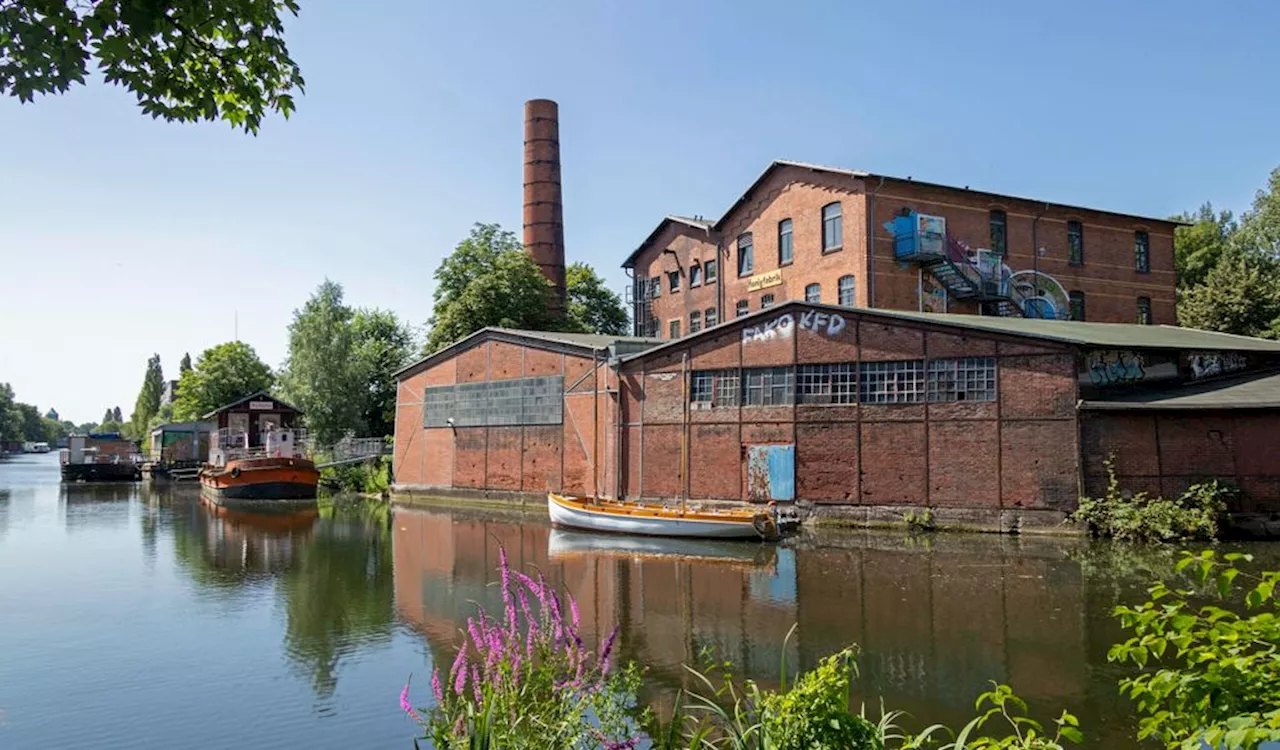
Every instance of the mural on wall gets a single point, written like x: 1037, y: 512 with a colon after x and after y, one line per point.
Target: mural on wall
x: 828, y: 324
x: 1115, y: 367
x: 933, y: 295
x: 1208, y: 364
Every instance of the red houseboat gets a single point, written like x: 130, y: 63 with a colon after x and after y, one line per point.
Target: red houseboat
x: 258, y: 458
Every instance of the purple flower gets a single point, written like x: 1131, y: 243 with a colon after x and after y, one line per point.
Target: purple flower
x: 573, y: 611
x: 461, y: 681
x: 606, y: 650
x: 476, y: 636
x: 436, y: 689
x: 459, y: 660
x: 405, y: 704
x: 475, y: 685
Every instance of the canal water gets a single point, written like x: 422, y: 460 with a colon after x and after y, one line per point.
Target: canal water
x: 134, y: 617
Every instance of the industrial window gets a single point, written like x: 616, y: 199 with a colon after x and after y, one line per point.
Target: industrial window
x: 891, y: 382
x: 832, y: 232
x: 999, y: 231
x: 813, y: 293
x: 786, y: 251
x: 1075, y: 243
x: 1142, y: 251
x: 844, y: 288
x: 655, y: 287
x: 740, y: 308
x: 1075, y: 300
x: 695, y: 322
x: 745, y: 260
x: 695, y: 275
x: 766, y: 301
x: 827, y: 384
x: 769, y: 386
x: 967, y: 379
x: 520, y: 401
x: 714, y: 388
x: 673, y: 280
x: 709, y: 268
x: 673, y: 329
x: 710, y: 317
x: 1144, y: 311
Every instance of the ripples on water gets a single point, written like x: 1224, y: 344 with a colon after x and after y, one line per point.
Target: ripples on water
x: 134, y: 617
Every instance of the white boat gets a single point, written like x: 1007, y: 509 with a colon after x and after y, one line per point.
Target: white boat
x: 567, y: 544
x: 594, y: 514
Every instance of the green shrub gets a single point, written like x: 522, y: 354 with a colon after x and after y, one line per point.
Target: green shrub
x: 1196, y: 514
x: 920, y: 522
x: 372, y: 477
x: 1002, y: 705
x: 814, y: 713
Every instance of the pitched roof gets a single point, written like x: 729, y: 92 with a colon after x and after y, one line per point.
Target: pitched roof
x: 1246, y: 392
x: 581, y: 342
x: 694, y: 222
x: 250, y: 397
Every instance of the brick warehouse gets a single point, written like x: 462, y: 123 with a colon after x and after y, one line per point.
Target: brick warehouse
x: 820, y: 234
x: 998, y: 422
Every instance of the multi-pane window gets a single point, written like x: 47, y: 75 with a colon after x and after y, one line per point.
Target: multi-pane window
x: 740, y: 308
x: 655, y: 287
x: 832, y: 231
x: 844, y: 290
x: 967, y: 379
x: 695, y: 275
x: 746, y: 261
x: 536, y: 400
x: 710, y: 269
x: 766, y: 301
x: 813, y: 293
x: 673, y: 329
x: 1075, y: 243
x: 1076, y: 302
x: 1142, y: 251
x: 673, y: 281
x: 786, y: 251
x: 1144, y: 311
x: 714, y: 387
x: 769, y: 386
x: 891, y: 382
x: 999, y: 231
x: 695, y: 321
x: 827, y: 384
x: 710, y: 317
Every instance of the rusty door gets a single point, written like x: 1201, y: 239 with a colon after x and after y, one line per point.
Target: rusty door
x: 771, y: 472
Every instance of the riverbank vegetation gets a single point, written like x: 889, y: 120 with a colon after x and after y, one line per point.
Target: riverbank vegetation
x: 1196, y: 514
x: 371, y: 477
x: 1203, y: 649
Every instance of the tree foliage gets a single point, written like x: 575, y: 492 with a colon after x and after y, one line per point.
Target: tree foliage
x: 592, y: 306
x: 223, y: 374
x: 8, y: 415
x: 185, y: 364
x: 147, y: 405
x: 382, y: 345
x: 184, y: 60
x: 1199, y: 247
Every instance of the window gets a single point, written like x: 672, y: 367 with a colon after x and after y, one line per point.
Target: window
x: 673, y: 281
x: 1075, y: 243
x: 832, y: 233
x: 673, y: 329
x: 844, y: 290
x: 695, y: 322
x: 1144, y: 311
x: 745, y: 260
x: 695, y: 275
x: 714, y: 388
x: 999, y: 232
x: 1076, y: 301
x: 537, y: 400
x: 1142, y: 251
x: 766, y: 301
x: 710, y: 317
x: 891, y: 382
x: 813, y: 293
x: 968, y: 379
x: 655, y: 287
x: 709, y: 268
x: 826, y: 384
x: 786, y: 252
x: 769, y: 386
x: 740, y: 308
x: 701, y: 386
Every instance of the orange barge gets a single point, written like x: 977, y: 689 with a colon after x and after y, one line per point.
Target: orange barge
x: 258, y: 460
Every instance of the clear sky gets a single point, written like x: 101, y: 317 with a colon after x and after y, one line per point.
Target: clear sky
x: 121, y: 236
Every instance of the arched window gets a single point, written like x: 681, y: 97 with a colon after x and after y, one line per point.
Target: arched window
x: 844, y: 291
x: 1144, y: 311
x: 832, y: 230
x: 786, y: 251
x: 740, y: 308
x: 999, y: 231
x: 695, y: 321
x: 813, y: 293
x: 1142, y: 251
x: 746, y: 261
x: 1075, y: 243
x: 710, y: 317
x: 1076, y: 300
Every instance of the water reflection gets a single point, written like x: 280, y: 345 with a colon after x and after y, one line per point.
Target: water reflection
x: 96, y: 505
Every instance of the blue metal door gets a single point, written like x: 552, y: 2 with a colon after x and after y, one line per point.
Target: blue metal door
x: 771, y: 472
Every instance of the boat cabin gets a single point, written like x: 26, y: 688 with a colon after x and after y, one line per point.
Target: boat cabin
x: 256, y: 425
x: 181, y: 442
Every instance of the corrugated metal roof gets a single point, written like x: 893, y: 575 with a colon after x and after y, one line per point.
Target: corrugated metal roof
x: 1252, y: 392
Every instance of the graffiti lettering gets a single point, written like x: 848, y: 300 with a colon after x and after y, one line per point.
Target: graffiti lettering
x: 1114, y: 367
x: 1206, y: 364
x: 779, y: 327
x: 818, y: 321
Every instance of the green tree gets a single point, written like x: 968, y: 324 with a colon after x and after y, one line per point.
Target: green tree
x: 320, y: 376
x: 488, y: 280
x: 592, y: 306
x: 147, y: 404
x: 1260, y: 226
x: 52, y: 414
x: 30, y: 423
x: 183, y: 60
x: 108, y: 416
x: 382, y: 345
x: 223, y: 374
x: 1240, y: 295
x: 185, y: 364
x: 1199, y: 247
x: 116, y: 415
x: 10, y: 421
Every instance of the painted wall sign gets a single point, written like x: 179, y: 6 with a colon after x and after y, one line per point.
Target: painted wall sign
x: 764, y: 280
x: 828, y: 324
x: 261, y: 405
x: 1208, y: 364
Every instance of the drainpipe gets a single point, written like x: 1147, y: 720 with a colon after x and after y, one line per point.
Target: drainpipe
x: 871, y: 244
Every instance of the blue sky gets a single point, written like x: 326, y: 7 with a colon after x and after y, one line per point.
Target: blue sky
x: 121, y: 236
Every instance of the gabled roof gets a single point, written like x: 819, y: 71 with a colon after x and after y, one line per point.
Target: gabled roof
x: 578, y: 343
x: 1083, y: 334
x: 1251, y: 391
x: 250, y: 397
x: 776, y: 165
x: 693, y: 222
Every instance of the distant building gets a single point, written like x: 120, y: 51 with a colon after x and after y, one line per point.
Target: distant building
x: 170, y: 392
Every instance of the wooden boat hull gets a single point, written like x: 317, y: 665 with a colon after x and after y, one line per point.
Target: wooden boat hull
x: 569, y: 544
x: 277, y: 485
x: 651, y: 520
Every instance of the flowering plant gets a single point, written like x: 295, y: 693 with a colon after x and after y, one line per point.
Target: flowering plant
x: 528, y: 680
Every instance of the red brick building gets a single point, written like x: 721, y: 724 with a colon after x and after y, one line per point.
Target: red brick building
x: 991, y: 421
x: 834, y: 236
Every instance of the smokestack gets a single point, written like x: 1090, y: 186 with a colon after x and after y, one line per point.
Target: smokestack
x: 543, y: 209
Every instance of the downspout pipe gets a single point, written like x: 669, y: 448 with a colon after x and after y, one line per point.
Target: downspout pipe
x: 871, y: 244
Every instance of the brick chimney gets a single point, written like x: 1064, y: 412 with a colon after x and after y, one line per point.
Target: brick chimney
x: 543, y: 209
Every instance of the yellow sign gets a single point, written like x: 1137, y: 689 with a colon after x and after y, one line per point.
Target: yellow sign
x: 764, y: 280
